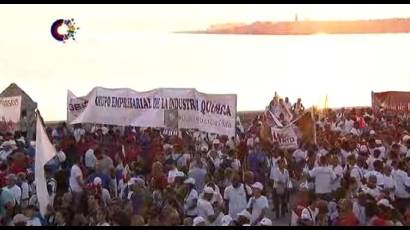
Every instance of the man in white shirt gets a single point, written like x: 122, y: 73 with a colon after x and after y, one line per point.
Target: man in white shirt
x: 258, y: 204
x: 376, y: 171
x: 371, y: 187
x: 324, y: 177
x: 76, y: 181
x: 205, y: 208
x: 173, y: 172
x: 7, y: 150
x: 90, y: 159
x: 12, y: 186
x: 359, y: 208
x: 357, y: 172
x: 191, y: 199
x: 235, y: 197
x: 337, y: 168
x: 402, y: 181
x: 78, y: 133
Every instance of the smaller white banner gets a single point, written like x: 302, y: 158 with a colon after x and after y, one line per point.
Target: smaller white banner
x: 10, y: 109
x: 286, y: 137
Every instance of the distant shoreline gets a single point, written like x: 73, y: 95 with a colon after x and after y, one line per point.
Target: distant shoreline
x: 358, y: 27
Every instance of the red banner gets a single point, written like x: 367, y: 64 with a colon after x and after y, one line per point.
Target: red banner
x: 391, y: 101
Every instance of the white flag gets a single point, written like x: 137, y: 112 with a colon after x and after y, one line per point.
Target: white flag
x: 45, y: 151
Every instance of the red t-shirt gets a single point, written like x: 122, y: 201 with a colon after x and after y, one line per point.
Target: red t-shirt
x: 131, y: 155
x: 348, y: 220
x: 160, y: 183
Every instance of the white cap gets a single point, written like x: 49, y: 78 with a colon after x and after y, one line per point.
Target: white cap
x: 132, y: 181
x: 209, y: 190
x: 406, y: 138
x: 167, y: 146
x: 61, y: 156
x: 21, y: 139
x: 204, y: 148
x: 245, y: 214
x: 265, y: 222
x: 257, y: 140
x: 216, y: 142
x: 257, y: 185
x: 190, y: 181
x: 226, y: 220
x: 97, y: 181
x: 139, y: 181
x: 12, y: 142
x: 198, y: 220
x: 372, y: 132
x: 19, y: 218
x: 179, y: 174
x: 363, y: 148
x: 385, y: 203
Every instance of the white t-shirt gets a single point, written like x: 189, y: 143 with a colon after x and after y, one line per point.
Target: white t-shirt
x: 171, y: 175
x: 24, y: 191
x: 401, y: 180
x: 299, y: 155
x: 378, y: 175
x: 78, y: 133
x: 188, y: 202
x: 360, y: 213
x: 358, y: 174
x: 16, y: 190
x: 4, y: 154
x: 374, y: 192
x: 90, y: 159
x: 74, y: 174
x: 205, y: 209
x: 34, y: 222
x: 324, y: 176
x: 237, y: 199
x: 339, y: 174
x: 257, y: 204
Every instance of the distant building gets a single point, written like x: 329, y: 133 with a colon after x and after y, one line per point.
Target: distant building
x: 27, y: 104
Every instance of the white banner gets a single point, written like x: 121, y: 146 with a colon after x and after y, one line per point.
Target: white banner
x: 75, y: 106
x: 10, y: 110
x: 286, y: 137
x: 159, y: 108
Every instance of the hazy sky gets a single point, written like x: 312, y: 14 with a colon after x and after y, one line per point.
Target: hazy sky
x: 46, y: 69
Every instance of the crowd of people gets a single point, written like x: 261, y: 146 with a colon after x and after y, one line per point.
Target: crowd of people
x: 356, y: 174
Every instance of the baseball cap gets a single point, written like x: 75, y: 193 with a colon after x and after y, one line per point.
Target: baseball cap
x: 97, y: 181
x: 385, y: 203
x: 198, y: 220
x: 265, y: 222
x: 19, y: 218
x: 245, y: 214
x: 257, y: 185
x: 190, y: 181
x: 226, y: 220
x: 209, y: 190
